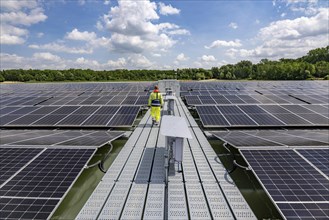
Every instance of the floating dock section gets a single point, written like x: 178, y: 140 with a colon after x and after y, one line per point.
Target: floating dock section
x: 134, y: 186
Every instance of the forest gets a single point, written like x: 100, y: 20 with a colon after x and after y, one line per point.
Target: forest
x: 314, y: 65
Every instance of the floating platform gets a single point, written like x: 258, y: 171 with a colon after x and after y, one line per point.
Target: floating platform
x: 134, y: 186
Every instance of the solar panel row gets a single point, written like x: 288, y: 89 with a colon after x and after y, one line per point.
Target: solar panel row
x: 295, y: 185
x: 271, y: 138
x: 61, y: 116
x: 58, y: 138
x: 261, y: 115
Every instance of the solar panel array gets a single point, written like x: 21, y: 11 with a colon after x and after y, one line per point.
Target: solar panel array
x: 292, y: 166
x: 261, y: 104
x: 275, y: 138
x: 292, y: 182
x: 38, y: 167
x: 72, y: 105
x: 57, y: 138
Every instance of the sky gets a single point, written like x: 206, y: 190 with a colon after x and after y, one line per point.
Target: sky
x: 144, y: 34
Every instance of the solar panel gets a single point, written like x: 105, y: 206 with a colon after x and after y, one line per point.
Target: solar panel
x: 207, y: 110
x: 49, y: 175
x: 265, y: 119
x: 98, y: 120
x: 27, y: 208
x: 287, y: 177
x: 318, y: 157
x: 73, y: 120
x: 239, y: 139
x: 213, y: 120
x: 192, y: 100
x: 207, y: 99
x: 239, y: 120
x: 304, y: 210
x: 13, y: 159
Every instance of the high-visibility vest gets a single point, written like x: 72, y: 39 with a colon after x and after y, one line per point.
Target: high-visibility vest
x: 155, y: 99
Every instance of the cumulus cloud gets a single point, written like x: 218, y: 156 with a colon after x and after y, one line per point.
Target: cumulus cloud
x: 133, y: 28
x: 208, y: 58
x: 181, y: 57
x: 222, y: 43
x: 47, y: 56
x: 167, y: 9
x: 75, y: 34
x: 58, y: 47
x: 107, y: 2
x: 289, y: 38
x: 117, y: 64
x: 16, y: 16
x: 233, y: 25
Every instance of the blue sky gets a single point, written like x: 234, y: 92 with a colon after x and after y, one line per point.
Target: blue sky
x: 108, y: 34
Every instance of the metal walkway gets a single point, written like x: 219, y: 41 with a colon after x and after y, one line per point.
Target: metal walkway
x: 134, y: 188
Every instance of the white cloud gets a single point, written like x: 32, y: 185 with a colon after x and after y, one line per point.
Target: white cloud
x: 57, y: 47
x: 47, y: 57
x: 40, y: 35
x: 179, y: 32
x: 16, y: 5
x: 117, y: 64
x: 283, y: 15
x: 139, y: 61
x: 107, y: 2
x: 233, y: 25
x: 257, y: 21
x: 181, y: 57
x: 15, y: 15
x: 75, y: 34
x: 167, y: 9
x: 133, y: 28
x: 36, y: 15
x: 288, y: 38
x: 208, y: 58
x: 297, y: 28
x: 222, y: 43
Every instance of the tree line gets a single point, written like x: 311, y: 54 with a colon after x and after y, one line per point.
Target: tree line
x: 313, y: 65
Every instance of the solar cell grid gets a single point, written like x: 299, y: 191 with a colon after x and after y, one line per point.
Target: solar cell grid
x: 49, y: 175
x: 239, y: 120
x: 17, y: 208
x: 291, y: 119
x: 97, y: 120
x: 228, y: 110
x: 13, y: 159
x: 287, y: 176
x: 106, y: 110
x: 318, y: 157
x: 192, y: 100
x: 85, y: 110
x: 305, y: 210
x: 208, y: 110
x: 207, y: 99
x: 26, y: 120
x: 73, y: 120
x: 128, y: 110
x: 213, y: 120
x: 220, y: 99
x: 8, y: 109
x: 116, y: 100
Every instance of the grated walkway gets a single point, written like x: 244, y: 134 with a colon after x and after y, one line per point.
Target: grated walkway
x: 134, y: 188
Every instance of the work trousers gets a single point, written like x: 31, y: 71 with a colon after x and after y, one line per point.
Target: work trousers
x: 156, y: 113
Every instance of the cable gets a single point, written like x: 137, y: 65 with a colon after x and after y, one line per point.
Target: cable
x: 101, y: 164
x: 240, y: 166
x: 233, y: 158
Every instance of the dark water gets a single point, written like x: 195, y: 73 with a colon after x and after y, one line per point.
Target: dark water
x: 86, y: 183
x: 246, y: 181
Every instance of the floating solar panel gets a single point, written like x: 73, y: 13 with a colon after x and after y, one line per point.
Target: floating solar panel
x: 318, y: 157
x: 243, y: 140
x: 27, y: 208
x: 193, y: 100
x: 49, y: 175
x: 207, y: 100
x: 304, y: 210
x: 287, y: 177
x: 13, y: 159
x: 270, y: 138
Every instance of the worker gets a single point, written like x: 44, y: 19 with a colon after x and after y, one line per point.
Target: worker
x: 156, y: 103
